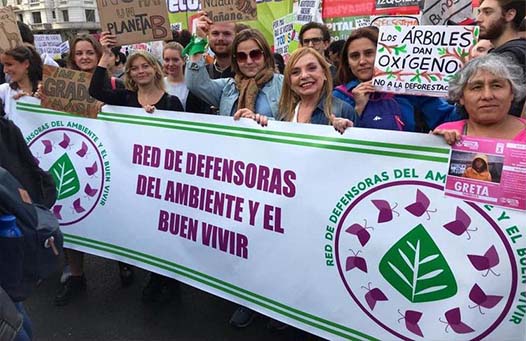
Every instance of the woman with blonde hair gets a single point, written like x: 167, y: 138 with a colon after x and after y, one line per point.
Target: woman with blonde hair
x: 173, y: 66
x: 143, y: 79
x: 306, y: 96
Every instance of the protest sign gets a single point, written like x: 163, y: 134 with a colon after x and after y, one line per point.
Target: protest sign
x: 441, y: 12
x: 9, y: 33
x: 68, y: 91
x: 352, y: 8
x: 135, y: 21
x: 488, y: 171
x: 285, y: 35
x: 48, y: 43
x: 341, y: 28
x: 308, y: 11
x: 64, y: 47
x: 183, y: 13
x: 392, y: 20
x: 230, y: 10
x: 187, y: 197
x: 420, y: 60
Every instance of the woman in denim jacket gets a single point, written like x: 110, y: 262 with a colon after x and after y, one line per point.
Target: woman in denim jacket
x: 255, y: 89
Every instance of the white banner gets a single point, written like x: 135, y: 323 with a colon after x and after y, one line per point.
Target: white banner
x: 347, y: 237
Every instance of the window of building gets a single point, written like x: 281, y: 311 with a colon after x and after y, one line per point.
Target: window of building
x: 37, y: 18
x: 90, y: 15
x: 65, y: 15
x: 34, y: 1
x: 53, y: 14
x: 20, y: 18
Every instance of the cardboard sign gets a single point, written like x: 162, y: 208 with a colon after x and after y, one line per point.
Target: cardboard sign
x: 440, y: 12
x: 68, y: 90
x: 48, y: 43
x: 9, y: 34
x: 135, y: 21
x: 420, y: 60
x: 230, y: 10
x: 488, y: 171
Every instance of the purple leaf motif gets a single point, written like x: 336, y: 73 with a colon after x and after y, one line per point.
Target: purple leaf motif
x: 461, y: 224
x: 77, y: 207
x: 454, y: 320
x: 90, y: 191
x: 420, y: 206
x: 93, y: 169
x: 479, y: 297
x: 48, y: 146
x: 355, y: 262
x: 65, y: 141
x: 373, y: 295
x: 487, y: 262
x: 412, y: 318
x: 360, y: 232
x: 83, y: 150
x: 56, y: 211
x: 386, y: 212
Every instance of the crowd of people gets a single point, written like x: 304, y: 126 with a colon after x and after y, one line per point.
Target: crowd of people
x: 230, y: 70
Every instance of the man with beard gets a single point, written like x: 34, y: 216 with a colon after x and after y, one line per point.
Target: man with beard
x: 499, y: 22
x: 220, y: 38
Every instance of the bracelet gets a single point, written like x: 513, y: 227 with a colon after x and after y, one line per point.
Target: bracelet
x: 195, y: 46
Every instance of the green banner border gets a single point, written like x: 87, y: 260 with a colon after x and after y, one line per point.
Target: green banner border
x: 434, y: 154
x: 228, y: 288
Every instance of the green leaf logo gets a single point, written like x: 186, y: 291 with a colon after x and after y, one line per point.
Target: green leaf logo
x: 417, y: 269
x: 65, y: 176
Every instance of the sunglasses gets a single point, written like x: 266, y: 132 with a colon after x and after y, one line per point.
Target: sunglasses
x: 254, y: 55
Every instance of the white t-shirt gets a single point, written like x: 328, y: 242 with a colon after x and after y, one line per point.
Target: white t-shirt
x: 177, y: 89
x: 6, y: 94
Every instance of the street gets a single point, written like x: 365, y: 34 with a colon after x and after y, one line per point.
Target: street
x: 106, y: 311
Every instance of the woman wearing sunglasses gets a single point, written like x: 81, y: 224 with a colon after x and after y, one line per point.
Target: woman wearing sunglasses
x: 255, y: 90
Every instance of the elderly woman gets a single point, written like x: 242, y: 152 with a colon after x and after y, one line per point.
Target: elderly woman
x: 487, y: 87
x: 380, y: 110
x: 307, y: 91
x: 255, y: 89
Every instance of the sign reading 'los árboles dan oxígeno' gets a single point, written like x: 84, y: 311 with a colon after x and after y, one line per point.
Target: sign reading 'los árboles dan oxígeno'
x: 135, y: 21
x: 421, y: 60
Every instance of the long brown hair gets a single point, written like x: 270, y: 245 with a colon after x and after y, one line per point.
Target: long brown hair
x: 289, y: 99
x: 345, y: 74
x: 252, y: 34
x: 85, y: 37
x: 34, y: 71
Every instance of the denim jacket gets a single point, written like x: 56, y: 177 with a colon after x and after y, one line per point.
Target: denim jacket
x: 340, y: 108
x: 222, y: 93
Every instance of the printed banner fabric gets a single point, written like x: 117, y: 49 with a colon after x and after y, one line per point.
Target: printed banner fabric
x: 347, y: 237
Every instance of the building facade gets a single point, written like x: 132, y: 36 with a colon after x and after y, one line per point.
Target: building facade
x: 65, y: 17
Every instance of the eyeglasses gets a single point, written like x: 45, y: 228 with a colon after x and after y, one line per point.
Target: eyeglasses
x: 314, y: 41
x: 254, y: 55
